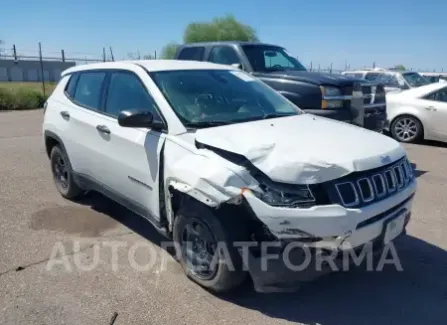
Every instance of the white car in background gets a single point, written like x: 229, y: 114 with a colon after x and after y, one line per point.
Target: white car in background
x: 393, y: 81
x: 435, y: 76
x: 418, y: 113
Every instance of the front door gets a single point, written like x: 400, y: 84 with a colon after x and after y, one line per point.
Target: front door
x: 130, y: 157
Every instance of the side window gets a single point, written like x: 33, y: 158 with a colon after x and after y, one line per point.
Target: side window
x: 191, y: 53
x: 88, y: 89
x: 71, y: 85
x: 439, y: 96
x: 126, y: 91
x: 372, y: 76
x: 432, y: 96
x: 354, y: 75
x: 274, y: 59
x: 224, y: 55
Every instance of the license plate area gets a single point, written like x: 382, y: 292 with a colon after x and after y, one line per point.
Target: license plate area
x: 394, y: 226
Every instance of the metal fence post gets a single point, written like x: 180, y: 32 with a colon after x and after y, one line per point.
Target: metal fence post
x: 63, y: 55
x: 15, y: 52
x: 41, y: 69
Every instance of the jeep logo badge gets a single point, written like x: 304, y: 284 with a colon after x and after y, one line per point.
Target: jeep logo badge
x: 385, y: 159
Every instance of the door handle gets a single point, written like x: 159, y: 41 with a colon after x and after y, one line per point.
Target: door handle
x: 103, y: 129
x: 65, y: 114
x: 431, y: 108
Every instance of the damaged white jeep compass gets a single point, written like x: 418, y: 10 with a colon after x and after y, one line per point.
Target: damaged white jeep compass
x: 225, y: 166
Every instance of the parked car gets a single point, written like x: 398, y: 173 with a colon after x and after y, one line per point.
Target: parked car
x: 394, y: 81
x: 435, y: 76
x: 419, y: 113
x: 323, y: 94
x: 211, y: 155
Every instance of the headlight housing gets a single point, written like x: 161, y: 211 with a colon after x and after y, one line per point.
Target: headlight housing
x: 285, y: 195
x: 332, y: 97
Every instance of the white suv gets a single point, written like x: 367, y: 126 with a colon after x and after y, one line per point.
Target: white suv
x: 210, y: 155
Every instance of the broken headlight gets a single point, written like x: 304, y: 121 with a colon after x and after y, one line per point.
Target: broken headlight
x: 285, y: 195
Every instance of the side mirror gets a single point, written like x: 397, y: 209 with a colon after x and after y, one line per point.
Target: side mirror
x: 138, y: 119
x: 237, y: 65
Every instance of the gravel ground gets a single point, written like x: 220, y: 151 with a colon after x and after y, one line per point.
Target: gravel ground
x: 37, y: 222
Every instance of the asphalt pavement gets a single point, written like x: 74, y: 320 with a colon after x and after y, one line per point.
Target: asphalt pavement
x: 102, y: 272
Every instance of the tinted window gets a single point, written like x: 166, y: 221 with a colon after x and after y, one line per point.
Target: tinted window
x: 354, y: 75
x: 439, y: 96
x: 192, y: 53
x: 415, y: 79
x: 71, y: 85
x: 388, y: 80
x: 224, y: 55
x: 88, y: 89
x: 271, y: 58
x: 126, y: 92
x: 372, y: 76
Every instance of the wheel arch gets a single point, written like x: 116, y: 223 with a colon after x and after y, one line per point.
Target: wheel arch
x: 51, y: 140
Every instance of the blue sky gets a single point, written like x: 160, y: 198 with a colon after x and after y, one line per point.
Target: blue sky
x: 388, y: 32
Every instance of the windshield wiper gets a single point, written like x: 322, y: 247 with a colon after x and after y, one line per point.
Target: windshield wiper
x: 277, y: 114
x: 205, y: 124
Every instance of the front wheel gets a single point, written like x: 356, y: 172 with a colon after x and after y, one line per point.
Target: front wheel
x: 406, y: 129
x: 206, y: 251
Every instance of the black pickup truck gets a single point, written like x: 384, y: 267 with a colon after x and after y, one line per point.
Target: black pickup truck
x: 331, y: 95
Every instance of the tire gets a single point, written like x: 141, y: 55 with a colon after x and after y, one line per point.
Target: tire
x: 228, y: 273
x: 407, y: 129
x: 63, y: 174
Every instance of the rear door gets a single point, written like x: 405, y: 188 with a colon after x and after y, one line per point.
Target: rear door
x: 129, y: 158
x: 436, y: 107
x: 81, y: 113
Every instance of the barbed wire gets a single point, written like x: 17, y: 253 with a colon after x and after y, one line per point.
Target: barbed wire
x: 17, y: 53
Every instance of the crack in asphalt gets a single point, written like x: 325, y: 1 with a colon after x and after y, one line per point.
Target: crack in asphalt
x: 23, y: 267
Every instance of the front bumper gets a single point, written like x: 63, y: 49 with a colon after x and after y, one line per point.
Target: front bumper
x: 375, y: 117
x: 333, y: 228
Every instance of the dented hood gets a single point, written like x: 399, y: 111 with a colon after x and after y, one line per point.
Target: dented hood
x: 303, y: 149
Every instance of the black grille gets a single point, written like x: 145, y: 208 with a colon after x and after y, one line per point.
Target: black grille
x: 362, y: 188
x: 367, y: 94
x: 380, y: 95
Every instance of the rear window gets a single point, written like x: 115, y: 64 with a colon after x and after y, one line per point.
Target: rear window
x: 88, y: 89
x: 372, y: 76
x: 71, y: 85
x: 191, y: 53
x: 354, y: 75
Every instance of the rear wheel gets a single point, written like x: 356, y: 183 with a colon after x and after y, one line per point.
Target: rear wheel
x: 206, y: 251
x: 63, y: 174
x: 406, y: 129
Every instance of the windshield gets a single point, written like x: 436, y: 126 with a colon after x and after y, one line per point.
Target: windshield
x: 204, y: 98
x: 388, y: 80
x: 414, y: 79
x: 270, y: 58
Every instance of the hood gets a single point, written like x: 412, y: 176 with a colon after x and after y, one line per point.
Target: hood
x: 303, y: 149
x: 318, y: 78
